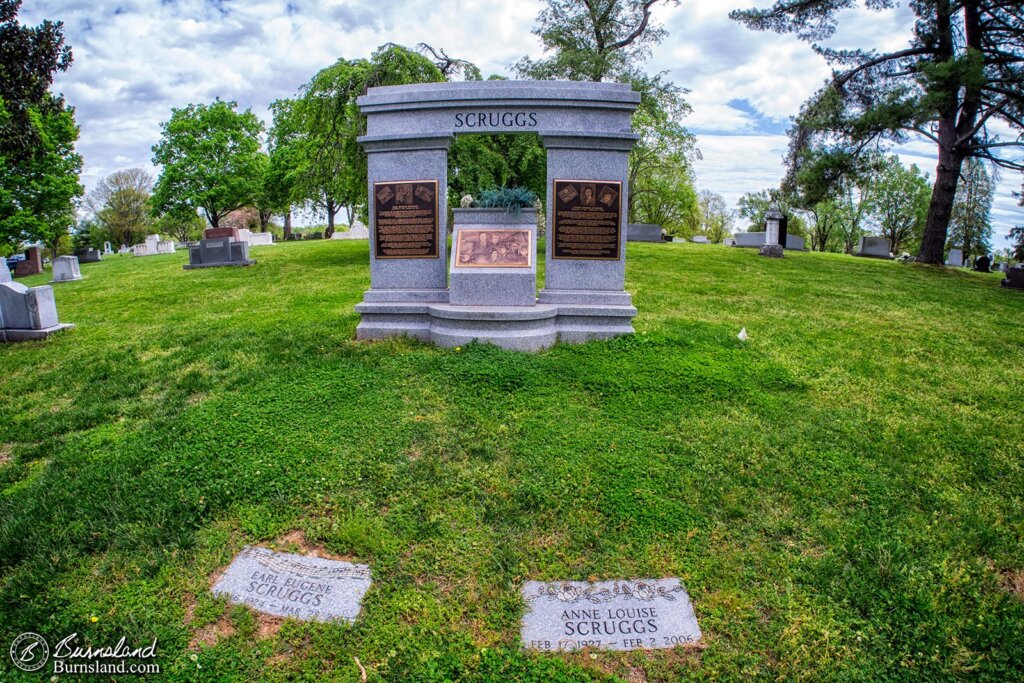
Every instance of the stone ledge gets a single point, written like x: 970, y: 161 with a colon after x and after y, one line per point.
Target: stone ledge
x: 29, y: 335
x: 509, y: 327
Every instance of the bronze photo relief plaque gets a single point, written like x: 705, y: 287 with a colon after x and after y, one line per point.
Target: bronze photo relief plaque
x: 405, y: 219
x: 493, y: 248
x: 587, y: 220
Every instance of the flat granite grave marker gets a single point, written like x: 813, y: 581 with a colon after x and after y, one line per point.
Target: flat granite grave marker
x: 608, y: 615
x: 289, y: 585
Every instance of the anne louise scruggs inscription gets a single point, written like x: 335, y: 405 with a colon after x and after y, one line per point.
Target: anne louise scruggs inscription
x: 609, y: 615
x: 405, y: 219
x: 587, y: 220
x: 288, y: 585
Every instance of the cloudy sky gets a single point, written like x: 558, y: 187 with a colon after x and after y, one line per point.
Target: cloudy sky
x: 136, y: 59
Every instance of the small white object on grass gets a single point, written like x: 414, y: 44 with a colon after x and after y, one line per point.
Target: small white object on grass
x: 742, y: 335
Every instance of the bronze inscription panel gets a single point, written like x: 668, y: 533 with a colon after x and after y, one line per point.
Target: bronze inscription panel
x: 493, y: 248
x: 405, y: 219
x: 587, y: 219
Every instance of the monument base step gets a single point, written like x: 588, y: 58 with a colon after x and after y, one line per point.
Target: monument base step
x: 520, y: 328
x: 218, y: 264
x: 30, y: 335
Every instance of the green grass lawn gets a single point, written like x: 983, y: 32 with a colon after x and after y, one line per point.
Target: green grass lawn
x: 842, y: 495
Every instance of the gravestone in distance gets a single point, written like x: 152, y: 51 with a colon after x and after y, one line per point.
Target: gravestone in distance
x: 32, y: 265
x: 88, y: 255
x: 358, y: 231
x: 5, y: 272
x: 700, y: 239
x: 729, y: 241
x: 27, y: 313
x: 219, y: 248
x: 956, y: 258
x: 874, y: 247
x: 585, y: 129
x: 108, y: 248
x: 643, y: 232
x: 983, y: 264
x: 1014, y: 278
x: 289, y: 585
x: 65, y: 269
x: 608, y: 615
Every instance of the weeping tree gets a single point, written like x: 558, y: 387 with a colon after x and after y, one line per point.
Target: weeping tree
x: 958, y: 82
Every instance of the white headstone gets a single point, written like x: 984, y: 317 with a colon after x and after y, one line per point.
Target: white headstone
x: 107, y: 248
x: 608, y: 615
x: 956, y: 258
x: 65, y: 269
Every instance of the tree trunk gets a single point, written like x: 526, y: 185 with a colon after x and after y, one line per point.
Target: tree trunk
x: 288, y: 224
x: 332, y: 209
x: 933, y: 244
x: 213, y: 218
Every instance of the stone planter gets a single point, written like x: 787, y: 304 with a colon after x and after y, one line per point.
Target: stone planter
x: 494, y: 258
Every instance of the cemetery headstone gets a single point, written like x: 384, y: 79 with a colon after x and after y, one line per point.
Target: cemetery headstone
x: 290, y: 585
x: 729, y: 241
x: 608, y: 615
x: 108, y: 248
x: 493, y: 258
x: 772, y: 247
x: 1014, y: 278
x: 643, y: 232
x: 65, y: 269
x: 32, y: 265
x: 956, y: 258
x: 27, y: 313
x: 700, y: 239
x: 88, y: 255
x: 358, y: 231
x: 872, y: 246
x: 219, y: 248
x: 584, y: 128
x: 5, y: 272
x: 983, y: 264
x: 261, y: 239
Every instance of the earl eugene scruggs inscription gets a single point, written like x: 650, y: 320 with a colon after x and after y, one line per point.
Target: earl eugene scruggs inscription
x: 289, y: 585
x: 587, y: 220
x: 405, y: 219
x: 608, y: 615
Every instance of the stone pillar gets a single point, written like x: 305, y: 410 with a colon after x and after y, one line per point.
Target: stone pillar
x: 401, y: 288
x: 591, y: 293
x: 771, y: 246
x: 587, y: 157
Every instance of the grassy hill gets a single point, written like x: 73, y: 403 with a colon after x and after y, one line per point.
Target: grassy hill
x: 842, y: 495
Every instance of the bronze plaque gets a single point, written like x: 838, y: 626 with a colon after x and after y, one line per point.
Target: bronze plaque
x: 587, y: 220
x: 405, y: 219
x: 494, y: 248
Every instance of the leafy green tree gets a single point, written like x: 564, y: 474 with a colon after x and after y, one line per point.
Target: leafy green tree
x: 715, y: 218
x: 1016, y: 238
x: 182, y: 227
x: 593, y: 40
x: 665, y: 146
x: 899, y: 205
x: 121, y: 204
x: 669, y: 199
x: 38, y: 187
x: 971, y: 223
x: 480, y: 161
x: 211, y: 161
x: 29, y: 58
x: 959, y: 79
x: 286, y: 140
x: 39, y: 168
x: 827, y: 219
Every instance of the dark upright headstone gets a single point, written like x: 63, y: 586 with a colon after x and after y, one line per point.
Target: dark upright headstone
x: 983, y: 264
x: 32, y: 265
x: 783, y: 230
